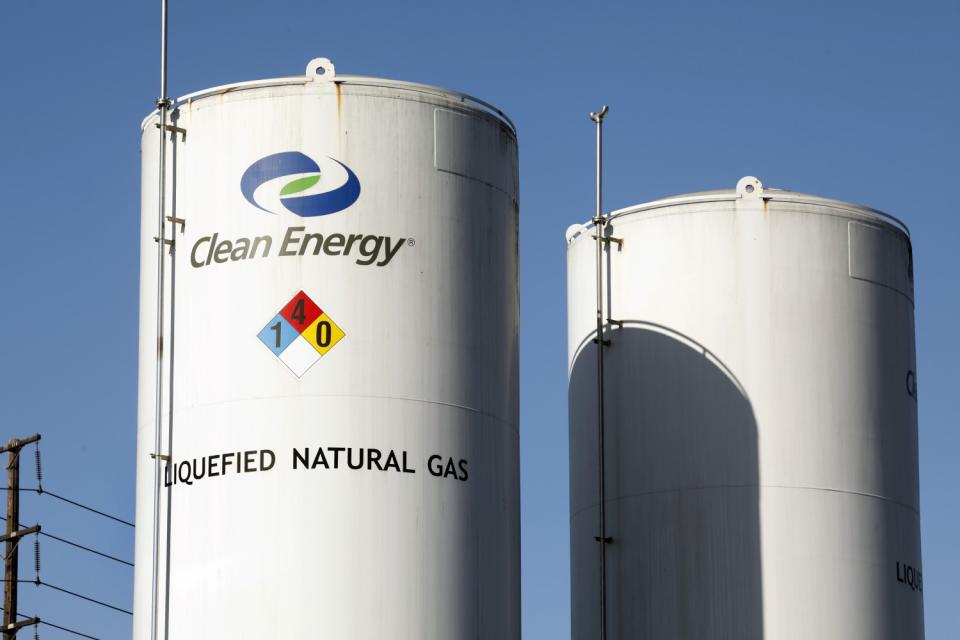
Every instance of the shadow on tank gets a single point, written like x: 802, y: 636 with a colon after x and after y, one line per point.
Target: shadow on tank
x: 682, y: 492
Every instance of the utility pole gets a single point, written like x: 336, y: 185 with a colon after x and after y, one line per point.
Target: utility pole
x: 12, y: 539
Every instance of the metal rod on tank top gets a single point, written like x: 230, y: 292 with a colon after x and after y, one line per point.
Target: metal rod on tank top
x: 599, y: 221
x: 163, y: 104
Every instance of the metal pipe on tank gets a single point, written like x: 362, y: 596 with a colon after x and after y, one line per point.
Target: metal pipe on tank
x: 163, y: 104
x: 599, y: 221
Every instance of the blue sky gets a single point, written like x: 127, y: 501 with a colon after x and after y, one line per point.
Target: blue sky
x: 852, y: 100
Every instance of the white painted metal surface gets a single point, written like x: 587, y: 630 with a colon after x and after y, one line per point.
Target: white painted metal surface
x: 365, y: 485
x: 761, y: 422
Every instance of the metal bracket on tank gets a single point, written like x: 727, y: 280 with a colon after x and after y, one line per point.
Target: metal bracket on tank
x: 609, y: 239
x: 178, y: 221
x: 182, y: 222
x: 321, y: 69
x: 613, y: 323
x: 174, y: 129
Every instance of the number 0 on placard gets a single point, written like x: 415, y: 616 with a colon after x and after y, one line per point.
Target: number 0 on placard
x: 323, y: 333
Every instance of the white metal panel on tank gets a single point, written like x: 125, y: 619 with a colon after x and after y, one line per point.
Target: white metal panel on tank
x: 344, y: 446
x: 761, y: 421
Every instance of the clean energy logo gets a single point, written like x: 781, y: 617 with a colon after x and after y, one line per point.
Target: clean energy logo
x: 294, y: 181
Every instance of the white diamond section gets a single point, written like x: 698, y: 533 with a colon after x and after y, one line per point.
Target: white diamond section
x: 299, y: 356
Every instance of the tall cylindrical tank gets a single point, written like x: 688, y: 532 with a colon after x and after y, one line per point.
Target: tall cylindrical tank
x: 761, y: 421
x: 340, y: 438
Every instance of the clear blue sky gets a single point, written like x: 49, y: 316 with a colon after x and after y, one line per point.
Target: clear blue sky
x: 852, y: 100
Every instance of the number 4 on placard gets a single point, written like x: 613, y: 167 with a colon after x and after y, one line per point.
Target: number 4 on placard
x: 299, y: 314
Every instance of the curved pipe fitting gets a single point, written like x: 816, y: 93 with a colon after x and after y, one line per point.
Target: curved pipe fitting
x: 597, y: 117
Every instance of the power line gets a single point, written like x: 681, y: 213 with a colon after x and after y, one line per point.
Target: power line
x: 73, y: 631
x: 85, y: 548
x: 40, y: 583
x: 44, y: 492
x: 83, y: 506
x: 80, y: 546
x: 82, y: 597
x: 57, y: 626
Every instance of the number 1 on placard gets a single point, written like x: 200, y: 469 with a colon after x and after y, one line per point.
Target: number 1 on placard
x: 276, y: 329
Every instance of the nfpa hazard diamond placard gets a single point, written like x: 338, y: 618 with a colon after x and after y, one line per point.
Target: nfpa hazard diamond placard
x: 300, y: 334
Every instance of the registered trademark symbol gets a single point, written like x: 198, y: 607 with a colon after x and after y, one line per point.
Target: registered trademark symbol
x: 411, y: 242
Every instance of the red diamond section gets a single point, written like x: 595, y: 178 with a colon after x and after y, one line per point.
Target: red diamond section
x: 301, y: 311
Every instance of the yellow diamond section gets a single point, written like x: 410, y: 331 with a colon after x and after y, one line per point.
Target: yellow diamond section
x: 323, y: 334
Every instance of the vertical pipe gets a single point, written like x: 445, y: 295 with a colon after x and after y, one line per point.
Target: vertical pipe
x: 169, y: 492
x: 163, y: 104
x: 170, y: 350
x: 163, y: 50
x: 599, y: 221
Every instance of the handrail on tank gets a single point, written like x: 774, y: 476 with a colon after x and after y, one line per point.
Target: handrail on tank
x: 780, y: 195
x: 426, y: 88
x: 345, y: 79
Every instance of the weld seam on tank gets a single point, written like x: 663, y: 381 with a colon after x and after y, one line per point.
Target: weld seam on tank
x: 470, y: 104
x: 713, y: 487
x: 451, y: 405
x: 843, y: 210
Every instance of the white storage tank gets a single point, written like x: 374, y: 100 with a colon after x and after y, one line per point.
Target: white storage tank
x: 343, y: 461
x: 761, y: 421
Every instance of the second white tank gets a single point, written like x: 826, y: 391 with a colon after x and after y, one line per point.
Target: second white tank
x: 761, y: 421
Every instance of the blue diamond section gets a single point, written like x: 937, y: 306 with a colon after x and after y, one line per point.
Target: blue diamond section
x: 278, y: 334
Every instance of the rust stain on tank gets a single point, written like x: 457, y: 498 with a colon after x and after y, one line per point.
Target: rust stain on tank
x: 338, y: 89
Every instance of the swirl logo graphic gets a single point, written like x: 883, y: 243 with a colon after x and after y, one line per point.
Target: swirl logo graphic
x: 294, y: 181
